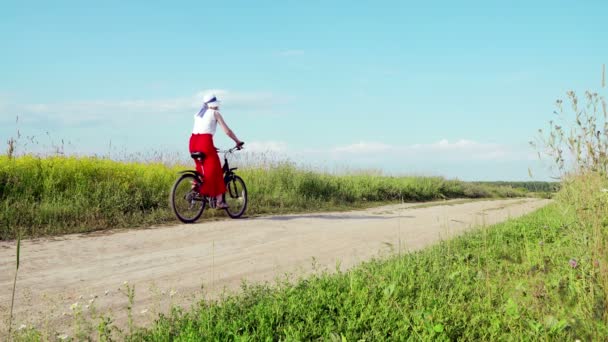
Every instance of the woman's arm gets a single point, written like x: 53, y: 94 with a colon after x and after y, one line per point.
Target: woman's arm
x: 225, y: 127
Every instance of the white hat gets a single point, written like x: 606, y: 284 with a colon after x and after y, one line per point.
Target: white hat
x: 211, y: 100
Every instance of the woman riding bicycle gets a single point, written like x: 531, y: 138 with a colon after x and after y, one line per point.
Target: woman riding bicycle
x: 205, y: 122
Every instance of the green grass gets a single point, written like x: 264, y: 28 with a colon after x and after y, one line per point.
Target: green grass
x: 58, y: 195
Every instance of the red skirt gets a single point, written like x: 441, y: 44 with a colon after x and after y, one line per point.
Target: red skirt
x: 213, y: 180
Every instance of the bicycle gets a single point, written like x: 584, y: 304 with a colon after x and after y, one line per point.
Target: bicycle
x: 188, y: 204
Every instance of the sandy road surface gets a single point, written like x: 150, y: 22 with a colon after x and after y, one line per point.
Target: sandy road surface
x: 168, y: 265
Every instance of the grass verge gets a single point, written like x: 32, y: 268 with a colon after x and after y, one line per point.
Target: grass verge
x: 539, y: 277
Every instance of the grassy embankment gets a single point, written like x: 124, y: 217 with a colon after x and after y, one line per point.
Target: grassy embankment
x: 540, y: 277
x: 59, y: 195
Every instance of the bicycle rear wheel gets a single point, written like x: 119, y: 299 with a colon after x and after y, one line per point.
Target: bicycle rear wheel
x: 235, y: 196
x: 187, y: 204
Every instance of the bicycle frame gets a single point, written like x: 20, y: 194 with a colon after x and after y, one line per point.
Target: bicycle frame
x: 228, y: 171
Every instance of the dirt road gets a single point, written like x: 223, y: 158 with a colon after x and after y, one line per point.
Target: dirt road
x: 169, y: 265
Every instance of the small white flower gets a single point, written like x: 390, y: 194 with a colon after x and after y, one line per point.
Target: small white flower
x: 125, y: 282
x: 604, y: 190
x: 86, y: 306
x: 172, y: 293
x: 107, y: 291
x: 74, y: 306
x: 22, y: 326
x: 163, y: 292
x: 144, y: 311
x: 91, y: 300
x: 63, y: 337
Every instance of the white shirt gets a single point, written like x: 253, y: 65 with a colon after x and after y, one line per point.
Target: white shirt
x: 205, y: 123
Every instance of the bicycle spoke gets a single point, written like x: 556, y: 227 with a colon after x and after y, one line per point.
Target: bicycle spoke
x: 186, y: 202
x: 236, y: 197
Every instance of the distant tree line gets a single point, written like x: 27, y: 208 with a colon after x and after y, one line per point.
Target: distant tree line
x: 535, y: 186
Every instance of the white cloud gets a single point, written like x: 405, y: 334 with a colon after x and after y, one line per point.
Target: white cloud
x: 108, y: 107
x: 291, y: 52
x: 249, y: 100
x: 5, y: 105
x: 459, y: 150
x: 95, y: 111
x: 363, y: 147
x: 266, y: 146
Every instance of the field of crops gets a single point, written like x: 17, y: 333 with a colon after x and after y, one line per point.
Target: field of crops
x: 58, y: 195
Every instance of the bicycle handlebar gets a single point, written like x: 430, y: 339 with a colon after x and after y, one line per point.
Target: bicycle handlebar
x: 235, y: 148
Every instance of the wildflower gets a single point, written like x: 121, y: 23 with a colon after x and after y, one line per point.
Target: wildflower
x: 74, y: 306
x: 542, y: 243
x: 107, y: 291
x: 22, y: 326
x: 144, y: 311
x: 91, y: 300
x: 573, y: 263
x: 125, y: 283
x: 172, y: 293
x: 63, y: 337
x: 604, y: 190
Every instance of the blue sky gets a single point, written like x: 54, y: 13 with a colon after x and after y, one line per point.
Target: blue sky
x: 444, y: 88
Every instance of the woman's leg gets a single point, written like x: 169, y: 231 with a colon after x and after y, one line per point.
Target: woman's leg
x: 196, y: 146
x: 220, y: 202
x: 214, y: 175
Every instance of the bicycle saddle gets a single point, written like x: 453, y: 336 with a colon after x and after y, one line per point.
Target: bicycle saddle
x: 197, y: 155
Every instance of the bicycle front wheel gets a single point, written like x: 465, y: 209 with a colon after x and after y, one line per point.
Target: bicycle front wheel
x: 187, y: 204
x: 235, y: 196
